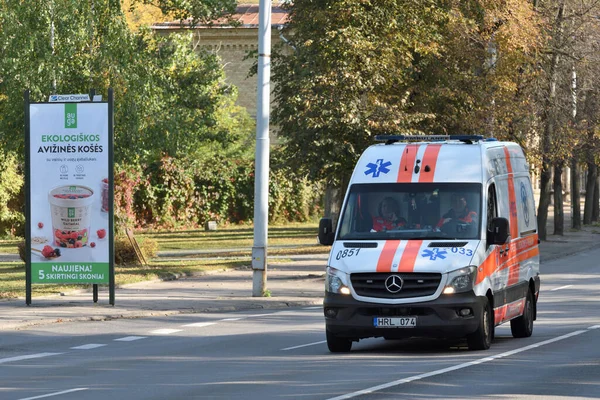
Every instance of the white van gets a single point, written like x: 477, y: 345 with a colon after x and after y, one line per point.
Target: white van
x: 436, y: 238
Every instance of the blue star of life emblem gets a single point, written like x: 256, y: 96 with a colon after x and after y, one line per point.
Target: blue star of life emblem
x: 434, y: 253
x: 379, y: 167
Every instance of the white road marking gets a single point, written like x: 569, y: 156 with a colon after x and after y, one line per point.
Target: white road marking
x: 200, y: 324
x: 559, y: 288
x: 165, y: 331
x: 303, y: 345
x: 231, y: 319
x: 594, y: 327
x: 130, y: 338
x: 262, y: 315
x: 312, y: 308
x: 88, y: 346
x: 453, y: 368
x: 27, y: 357
x: 54, y: 394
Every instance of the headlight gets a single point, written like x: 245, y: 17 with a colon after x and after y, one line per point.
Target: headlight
x: 461, y: 280
x: 336, y: 281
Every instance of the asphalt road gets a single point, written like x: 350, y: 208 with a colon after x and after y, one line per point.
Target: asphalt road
x: 283, y: 355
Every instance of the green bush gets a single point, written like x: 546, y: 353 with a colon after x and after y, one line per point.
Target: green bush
x: 127, y: 180
x: 181, y: 194
x: 165, y: 196
x: 12, y: 219
x: 188, y: 193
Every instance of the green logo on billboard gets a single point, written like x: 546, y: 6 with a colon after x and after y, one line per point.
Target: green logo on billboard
x: 71, y: 115
x: 71, y: 212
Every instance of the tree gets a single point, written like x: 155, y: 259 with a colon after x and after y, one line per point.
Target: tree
x: 348, y: 78
x: 58, y: 46
x: 572, y: 31
x: 192, y: 10
x: 364, y: 68
x: 139, y: 14
x: 167, y: 95
x: 186, y: 106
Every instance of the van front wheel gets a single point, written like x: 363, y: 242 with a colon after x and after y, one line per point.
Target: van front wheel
x: 337, y: 344
x: 481, y: 339
x: 522, y: 327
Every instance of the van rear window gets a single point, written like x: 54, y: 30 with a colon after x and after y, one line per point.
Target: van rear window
x: 412, y: 211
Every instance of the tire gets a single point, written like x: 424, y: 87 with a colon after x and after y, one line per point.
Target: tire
x: 481, y: 339
x: 522, y: 327
x: 338, y: 344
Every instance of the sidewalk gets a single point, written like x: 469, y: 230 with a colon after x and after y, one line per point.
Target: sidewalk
x: 292, y: 284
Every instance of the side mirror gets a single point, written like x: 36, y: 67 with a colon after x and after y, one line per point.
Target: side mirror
x: 499, y: 231
x: 326, y: 233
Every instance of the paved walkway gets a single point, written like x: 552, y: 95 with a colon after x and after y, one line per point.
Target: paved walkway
x: 292, y: 284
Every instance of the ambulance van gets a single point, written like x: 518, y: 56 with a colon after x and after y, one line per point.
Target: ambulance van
x: 436, y: 238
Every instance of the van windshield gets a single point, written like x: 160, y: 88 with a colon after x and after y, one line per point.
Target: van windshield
x: 407, y: 211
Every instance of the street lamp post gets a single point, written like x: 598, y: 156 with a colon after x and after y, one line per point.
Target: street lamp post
x: 261, y: 175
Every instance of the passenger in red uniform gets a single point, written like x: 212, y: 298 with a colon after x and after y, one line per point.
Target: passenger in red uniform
x: 459, y: 211
x: 388, y: 218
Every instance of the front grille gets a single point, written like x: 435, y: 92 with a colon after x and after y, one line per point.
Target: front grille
x: 393, y: 311
x: 414, y: 284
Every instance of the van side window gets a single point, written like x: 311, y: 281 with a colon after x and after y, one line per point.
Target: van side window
x: 492, y: 207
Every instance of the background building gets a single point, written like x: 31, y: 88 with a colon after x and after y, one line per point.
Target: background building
x: 233, y: 44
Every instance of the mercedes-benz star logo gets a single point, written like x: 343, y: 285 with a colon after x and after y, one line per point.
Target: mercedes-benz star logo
x: 394, y: 283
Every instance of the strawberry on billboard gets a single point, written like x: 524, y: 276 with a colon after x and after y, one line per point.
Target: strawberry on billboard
x: 69, y: 175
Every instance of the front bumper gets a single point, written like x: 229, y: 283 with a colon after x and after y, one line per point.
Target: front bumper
x: 440, y: 318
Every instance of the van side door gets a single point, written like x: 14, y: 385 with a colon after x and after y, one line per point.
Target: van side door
x: 498, y: 277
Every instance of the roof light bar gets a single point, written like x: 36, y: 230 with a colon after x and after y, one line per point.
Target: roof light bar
x: 427, y: 138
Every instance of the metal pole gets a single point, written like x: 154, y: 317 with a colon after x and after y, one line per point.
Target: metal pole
x: 111, y: 197
x: 27, y: 200
x: 261, y: 175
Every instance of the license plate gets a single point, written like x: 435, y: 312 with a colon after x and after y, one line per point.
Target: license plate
x: 402, y: 322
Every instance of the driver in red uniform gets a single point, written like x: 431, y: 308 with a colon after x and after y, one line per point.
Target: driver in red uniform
x: 459, y: 211
x: 388, y: 216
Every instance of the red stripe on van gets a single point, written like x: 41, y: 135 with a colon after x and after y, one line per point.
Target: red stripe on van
x: 499, y: 314
x: 429, y: 160
x: 384, y: 264
x: 407, y: 163
x: 509, y: 311
x: 409, y: 256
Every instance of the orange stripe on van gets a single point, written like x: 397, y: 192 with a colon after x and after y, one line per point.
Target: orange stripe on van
x: 513, y: 274
x: 429, y: 159
x: 524, y: 254
x: 488, y: 266
x: 407, y: 163
x: 526, y: 247
x: 384, y: 264
x: 512, y: 198
x: 409, y: 256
